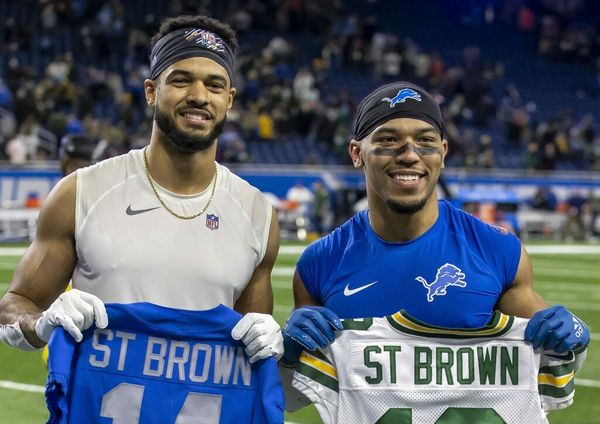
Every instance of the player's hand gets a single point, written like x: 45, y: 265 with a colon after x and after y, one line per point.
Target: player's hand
x: 557, y: 329
x: 309, y: 327
x: 75, y: 311
x: 261, y: 335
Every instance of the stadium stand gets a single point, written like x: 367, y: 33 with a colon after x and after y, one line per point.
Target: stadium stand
x: 518, y: 83
x: 73, y: 65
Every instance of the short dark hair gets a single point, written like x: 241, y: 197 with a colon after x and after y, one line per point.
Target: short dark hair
x: 204, y: 22
x: 77, y: 146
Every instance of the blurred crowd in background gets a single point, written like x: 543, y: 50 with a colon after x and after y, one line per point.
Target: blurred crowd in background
x: 523, y: 94
x: 78, y: 66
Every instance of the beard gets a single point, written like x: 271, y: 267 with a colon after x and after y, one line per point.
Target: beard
x: 184, y: 141
x: 406, y: 208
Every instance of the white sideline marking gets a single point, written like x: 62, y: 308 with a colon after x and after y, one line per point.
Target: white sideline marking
x: 22, y: 387
x: 559, y: 249
x: 550, y: 285
x: 296, y: 250
x: 291, y: 250
x: 282, y: 309
x: 556, y: 272
x: 551, y: 249
x: 283, y: 271
x: 580, y: 306
x: 586, y: 382
x: 12, y: 251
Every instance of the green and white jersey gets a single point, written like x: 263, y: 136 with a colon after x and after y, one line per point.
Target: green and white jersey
x: 400, y: 370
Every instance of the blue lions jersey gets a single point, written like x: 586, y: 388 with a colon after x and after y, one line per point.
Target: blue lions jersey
x: 160, y: 365
x: 452, y: 275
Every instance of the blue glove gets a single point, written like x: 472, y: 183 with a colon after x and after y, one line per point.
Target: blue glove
x: 557, y: 329
x: 309, y: 327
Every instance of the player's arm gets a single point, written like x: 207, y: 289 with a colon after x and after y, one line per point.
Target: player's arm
x: 521, y: 299
x: 43, y: 274
x: 258, y: 294
x: 258, y: 330
x: 301, y: 296
x: 553, y: 328
x: 309, y: 326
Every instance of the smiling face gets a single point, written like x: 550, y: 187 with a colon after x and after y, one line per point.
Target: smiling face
x: 191, y: 99
x: 402, y: 160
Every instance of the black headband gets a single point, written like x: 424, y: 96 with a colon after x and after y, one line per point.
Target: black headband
x: 190, y: 42
x: 396, y: 100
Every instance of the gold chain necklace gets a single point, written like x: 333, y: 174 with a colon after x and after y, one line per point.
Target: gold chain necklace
x: 212, y: 192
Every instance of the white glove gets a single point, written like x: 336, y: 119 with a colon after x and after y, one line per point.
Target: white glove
x: 75, y: 311
x: 261, y: 334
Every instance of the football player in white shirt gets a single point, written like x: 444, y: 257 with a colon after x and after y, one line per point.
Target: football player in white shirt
x: 166, y: 225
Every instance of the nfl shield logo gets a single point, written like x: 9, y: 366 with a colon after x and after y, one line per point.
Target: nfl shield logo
x: 212, y: 221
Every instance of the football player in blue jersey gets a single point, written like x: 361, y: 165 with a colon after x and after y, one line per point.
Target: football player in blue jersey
x: 412, y: 251
x: 166, y: 225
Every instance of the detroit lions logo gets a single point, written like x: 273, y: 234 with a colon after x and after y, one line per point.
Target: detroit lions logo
x: 405, y: 93
x: 447, y: 275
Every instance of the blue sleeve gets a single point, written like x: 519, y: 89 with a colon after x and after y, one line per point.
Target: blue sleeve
x: 503, y: 252
x: 310, y: 269
x: 319, y: 261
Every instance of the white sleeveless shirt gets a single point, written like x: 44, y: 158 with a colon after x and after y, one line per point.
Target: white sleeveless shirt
x: 130, y: 249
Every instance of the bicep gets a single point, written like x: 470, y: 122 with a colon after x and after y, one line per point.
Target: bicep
x: 301, y: 296
x: 521, y: 299
x: 46, y: 267
x: 258, y: 294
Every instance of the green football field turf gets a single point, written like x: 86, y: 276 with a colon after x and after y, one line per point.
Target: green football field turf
x: 569, y: 279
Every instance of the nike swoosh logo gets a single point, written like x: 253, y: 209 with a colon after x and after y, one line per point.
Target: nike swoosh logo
x: 130, y: 211
x: 349, y: 292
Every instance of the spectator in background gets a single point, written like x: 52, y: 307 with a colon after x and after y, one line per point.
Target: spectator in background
x: 301, y: 195
x: 574, y: 228
x: 16, y: 151
x: 24, y: 146
x: 232, y: 146
x: 76, y: 151
x: 543, y: 199
x: 265, y: 126
x: 320, y: 207
x: 593, y: 203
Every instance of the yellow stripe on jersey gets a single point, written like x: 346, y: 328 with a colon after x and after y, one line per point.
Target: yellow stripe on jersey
x: 554, y: 380
x: 318, y: 364
x: 487, y: 331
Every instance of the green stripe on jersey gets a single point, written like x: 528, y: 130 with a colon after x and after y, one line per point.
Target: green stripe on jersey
x: 318, y: 354
x: 558, y: 370
x: 557, y: 392
x: 498, y: 325
x: 317, y: 376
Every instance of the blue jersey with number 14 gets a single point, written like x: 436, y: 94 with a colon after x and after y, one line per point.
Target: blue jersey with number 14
x: 160, y: 365
x: 452, y: 275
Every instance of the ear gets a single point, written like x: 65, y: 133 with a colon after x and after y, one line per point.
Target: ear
x: 354, y: 151
x: 444, y: 151
x: 232, y: 92
x: 150, y: 91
